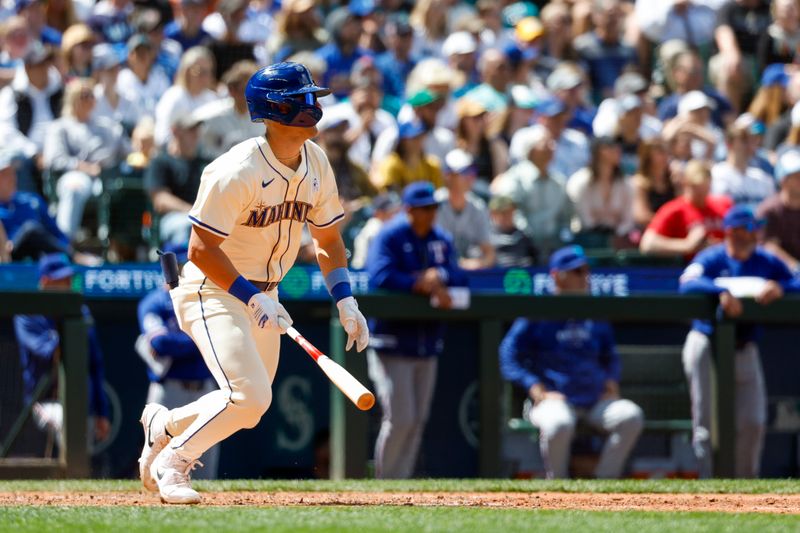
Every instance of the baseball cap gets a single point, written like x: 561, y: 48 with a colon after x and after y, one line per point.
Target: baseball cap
x: 522, y: 96
x: 741, y: 216
x: 629, y: 102
x: 775, y: 74
x: 528, y: 29
x: 563, y: 79
x: 55, y: 266
x: 459, y: 161
x: 413, y: 128
x: 468, y: 107
x: 105, y: 56
x: 460, y: 42
x: 419, y: 194
x: 335, y: 116
x: 788, y: 163
x: 630, y: 83
x: 694, y: 100
x: 386, y: 201
x: 551, y: 107
x: 37, y: 53
x: 568, y: 258
x: 423, y: 97
x: 361, y: 8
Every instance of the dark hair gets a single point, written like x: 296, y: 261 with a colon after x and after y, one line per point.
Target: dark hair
x: 597, y: 144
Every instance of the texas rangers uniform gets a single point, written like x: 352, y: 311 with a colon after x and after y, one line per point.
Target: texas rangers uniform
x: 259, y: 206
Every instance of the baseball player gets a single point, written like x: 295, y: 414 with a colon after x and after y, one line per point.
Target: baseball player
x: 714, y: 271
x: 570, y: 369
x: 247, y: 220
x: 178, y: 375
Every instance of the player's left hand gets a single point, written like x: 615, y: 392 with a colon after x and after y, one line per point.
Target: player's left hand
x: 354, y: 323
x: 772, y: 291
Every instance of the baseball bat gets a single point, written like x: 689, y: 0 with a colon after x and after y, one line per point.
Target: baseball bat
x: 339, y: 376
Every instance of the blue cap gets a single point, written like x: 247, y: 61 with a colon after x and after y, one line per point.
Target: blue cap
x: 515, y: 54
x: 55, y: 266
x: 361, y: 8
x: 419, y: 194
x: 551, y: 107
x: 741, y: 216
x: 568, y: 258
x: 775, y: 74
x: 410, y: 129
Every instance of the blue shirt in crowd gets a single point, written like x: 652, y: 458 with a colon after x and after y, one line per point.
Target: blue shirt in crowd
x: 174, y: 31
x: 157, y: 321
x: 38, y: 340
x: 395, y: 73
x: 573, y: 357
x: 339, y: 65
x: 24, y: 207
x: 395, y: 259
x: 714, y: 262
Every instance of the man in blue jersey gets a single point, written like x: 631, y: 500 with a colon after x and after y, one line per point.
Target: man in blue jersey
x: 715, y: 271
x: 178, y: 375
x: 410, y: 255
x: 40, y: 350
x: 570, y: 370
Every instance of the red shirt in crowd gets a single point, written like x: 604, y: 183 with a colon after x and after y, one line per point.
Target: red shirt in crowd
x: 675, y: 218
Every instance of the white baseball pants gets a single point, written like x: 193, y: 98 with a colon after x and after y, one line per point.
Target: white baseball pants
x: 556, y: 419
x: 751, y: 404
x: 242, y: 358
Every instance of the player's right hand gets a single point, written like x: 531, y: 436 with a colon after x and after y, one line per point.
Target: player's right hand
x: 264, y: 312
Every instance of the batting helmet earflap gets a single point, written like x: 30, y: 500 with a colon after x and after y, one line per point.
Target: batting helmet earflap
x: 285, y: 93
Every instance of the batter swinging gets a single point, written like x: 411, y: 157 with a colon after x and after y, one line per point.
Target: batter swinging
x: 247, y: 220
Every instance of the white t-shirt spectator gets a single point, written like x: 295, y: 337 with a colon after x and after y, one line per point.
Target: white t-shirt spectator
x: 469, y: 227
x: 749, y: 188
x: 144, y: 95
x: 125, y: 113
x: 595, y: 210
x: 361, y: 150
x: 177, y: 101
x: 660, y: 22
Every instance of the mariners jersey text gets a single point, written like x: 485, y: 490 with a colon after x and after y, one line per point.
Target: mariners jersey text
x: 264, y: 215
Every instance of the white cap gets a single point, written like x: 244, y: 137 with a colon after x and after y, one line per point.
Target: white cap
x: 524, y: 140
x: 788, y: 163
x: 458, y: 161
x: 460, y: 42
x: 694, y: 100
x: 335, y: 115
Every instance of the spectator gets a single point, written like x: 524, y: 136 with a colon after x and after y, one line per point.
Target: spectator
x: 143, y: 144
x: 736, y: 177
x: 519, y: 114
x: 39, y: 343
x: 477, y: 135
x: 771, y: 100
x: 570, y: 369
x: 149, y: 22
x: 739, y: 28
x: 566, y: 83
x: 781, y: 212
x: 460, y: 51
x: 602, y: 50
x: 603, y: 199
x: 408, y: 162
x: 226, y: 122
x: 433, y: 75
x: 526, y: 54
x: 78, y: 147
x: 690, y: 21
x: 61, y: 14
x: 187, y: 28
x: 109, y: 102
x: 495, y: 75
x: 141, y: 81
x: 513, y: 248
x: 429, y: 20
x: 176, y: 370
x: 397, y: 62
x: 685, y: 73
x: 192, y: 89
x: 690, y: 222
x: 693, y: 126
x: 544, y: 211
x: 14, y: 41
x: 779, y: 130
x: 628, y: 132
x: 33, y: 13
x: 173, y: 177
x: 384, y: 208
x: 110, y: 19
x: 557, y: 21
x: 463, y: 214
x: 76, y: 51
x: 652, y: 184
x: 778, y: 44
x: 29, y: 229
x: 341, y: 53
x: 228, y: 48
x: 409, y: 255
x: 297, y: 29
x: 705, y: 275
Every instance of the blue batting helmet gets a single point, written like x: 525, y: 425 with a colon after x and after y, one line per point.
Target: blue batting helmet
x: 285, y: 93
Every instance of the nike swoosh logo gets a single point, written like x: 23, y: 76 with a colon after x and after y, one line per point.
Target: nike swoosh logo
x: 159, y: 473
x: 150, y: 431
x: 265, y: 184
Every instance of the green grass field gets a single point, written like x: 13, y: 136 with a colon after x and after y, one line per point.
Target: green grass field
x: 368, y: 518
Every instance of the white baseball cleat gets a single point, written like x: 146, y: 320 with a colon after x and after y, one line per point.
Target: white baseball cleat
x: 171, y: 473
x: 155, y: 438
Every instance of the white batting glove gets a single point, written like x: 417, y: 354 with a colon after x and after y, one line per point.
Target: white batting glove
x: 264, y: 312
x: 354, y: 323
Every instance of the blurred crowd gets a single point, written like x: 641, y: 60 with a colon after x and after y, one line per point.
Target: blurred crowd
x: 619, y: 125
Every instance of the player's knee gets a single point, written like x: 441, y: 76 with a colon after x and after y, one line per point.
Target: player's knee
x: 558, y: 428
x: 253, y: 405
x: 633, y: 420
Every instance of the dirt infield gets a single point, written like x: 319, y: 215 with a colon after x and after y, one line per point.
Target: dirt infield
x: 729, y: 503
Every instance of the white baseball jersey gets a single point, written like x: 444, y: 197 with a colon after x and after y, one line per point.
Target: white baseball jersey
x: 260, y: 206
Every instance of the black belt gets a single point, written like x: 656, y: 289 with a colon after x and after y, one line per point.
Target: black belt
x: 265, y: 286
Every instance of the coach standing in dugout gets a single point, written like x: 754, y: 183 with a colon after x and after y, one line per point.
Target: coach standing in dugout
x: 570, y: 369
x: 410, y: 255
x: 715, y: 271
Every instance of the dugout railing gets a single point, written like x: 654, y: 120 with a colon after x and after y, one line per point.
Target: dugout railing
x: 73, y: 460
x: 350, y: 448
